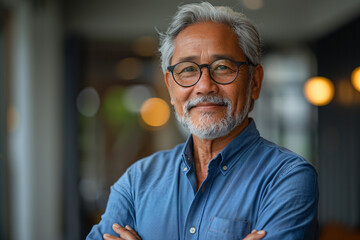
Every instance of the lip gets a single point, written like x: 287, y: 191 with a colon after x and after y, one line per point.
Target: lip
x: 207, y: 106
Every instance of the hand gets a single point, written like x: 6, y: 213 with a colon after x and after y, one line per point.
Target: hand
x: 125, y: 233
x: 255, y: 235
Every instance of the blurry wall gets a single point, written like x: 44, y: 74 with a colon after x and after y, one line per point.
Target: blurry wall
x: 4, y: 188
x: 34, y: 139
x: 338, y: 55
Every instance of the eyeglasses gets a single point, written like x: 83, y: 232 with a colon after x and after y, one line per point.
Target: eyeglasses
x: 222, y: 71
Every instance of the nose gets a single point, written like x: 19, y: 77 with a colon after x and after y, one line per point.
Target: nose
x: 206, y: 85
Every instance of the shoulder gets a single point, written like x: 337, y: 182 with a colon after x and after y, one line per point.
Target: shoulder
x: 162, y: 159
x: 281, y: 162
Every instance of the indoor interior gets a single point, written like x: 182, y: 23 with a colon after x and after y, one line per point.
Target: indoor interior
x: 82, y: 97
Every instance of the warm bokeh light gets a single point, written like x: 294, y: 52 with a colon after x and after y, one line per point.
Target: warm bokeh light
x: 155, y: 112
x: 319, y: 91
x: 355, y: 78
x: 129, y: 68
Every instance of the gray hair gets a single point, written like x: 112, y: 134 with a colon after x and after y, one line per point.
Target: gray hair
x: 248, y: 36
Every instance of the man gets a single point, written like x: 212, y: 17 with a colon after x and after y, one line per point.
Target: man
x: 225, y: 182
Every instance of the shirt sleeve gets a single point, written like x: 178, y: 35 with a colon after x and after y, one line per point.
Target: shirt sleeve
x: 288, y: 209
x: 119, y: 209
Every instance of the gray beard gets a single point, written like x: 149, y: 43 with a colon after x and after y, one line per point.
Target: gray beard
x: 207, y: 127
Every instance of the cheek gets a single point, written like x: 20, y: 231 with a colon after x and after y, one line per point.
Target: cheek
x: 178, y: 108
x: 238, y: 99
x: 178, y: 100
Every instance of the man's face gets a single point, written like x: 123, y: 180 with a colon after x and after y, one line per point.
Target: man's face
x: 203, y: 43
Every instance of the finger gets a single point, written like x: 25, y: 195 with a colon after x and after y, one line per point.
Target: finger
x: 123, y: 232
x: 132, y: 231
x: 109, y: 237
x: 255, y: 235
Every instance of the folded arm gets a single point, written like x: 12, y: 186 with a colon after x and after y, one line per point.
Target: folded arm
x: 127, y: 233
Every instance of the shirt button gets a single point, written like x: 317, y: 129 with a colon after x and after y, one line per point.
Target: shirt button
x: 185, y: 169
x: 224, y: 167
x: 192, y: 230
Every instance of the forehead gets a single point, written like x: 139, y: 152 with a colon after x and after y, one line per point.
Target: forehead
x: 205, y: 41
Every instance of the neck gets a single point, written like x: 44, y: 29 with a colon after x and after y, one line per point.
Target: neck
x: 207, y: 149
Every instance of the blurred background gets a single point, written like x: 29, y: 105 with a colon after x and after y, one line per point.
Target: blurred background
x: 82, y: 97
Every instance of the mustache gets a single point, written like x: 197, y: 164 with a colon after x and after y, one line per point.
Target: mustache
x: 215, y: 99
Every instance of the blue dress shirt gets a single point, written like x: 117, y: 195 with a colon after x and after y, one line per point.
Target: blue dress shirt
x: 251, y: 184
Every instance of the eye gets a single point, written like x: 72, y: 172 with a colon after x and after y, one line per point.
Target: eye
x: 221, y: 67
x: 189, y: 69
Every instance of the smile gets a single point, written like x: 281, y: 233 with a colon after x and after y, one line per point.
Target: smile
x: 208, y: 105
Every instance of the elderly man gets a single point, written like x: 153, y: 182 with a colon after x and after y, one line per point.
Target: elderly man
x: 225, y: 181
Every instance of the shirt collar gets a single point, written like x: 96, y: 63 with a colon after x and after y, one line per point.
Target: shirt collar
x: 187, y: 153
x: 238, y: 147
x: 231, y: 153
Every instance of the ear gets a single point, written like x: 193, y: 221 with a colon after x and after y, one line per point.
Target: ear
x: 167, y: 82
x: 258, y: 74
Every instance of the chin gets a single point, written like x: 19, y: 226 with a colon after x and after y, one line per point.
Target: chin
x: 208, y: 116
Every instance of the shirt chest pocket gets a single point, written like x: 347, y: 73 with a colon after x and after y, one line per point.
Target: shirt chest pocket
x: 228, y: 229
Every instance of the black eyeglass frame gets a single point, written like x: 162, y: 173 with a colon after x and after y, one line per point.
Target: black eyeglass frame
x: 201, y: 66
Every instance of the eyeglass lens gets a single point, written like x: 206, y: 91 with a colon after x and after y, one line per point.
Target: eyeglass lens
x: 222, y: 71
